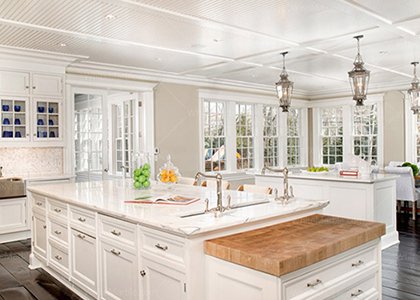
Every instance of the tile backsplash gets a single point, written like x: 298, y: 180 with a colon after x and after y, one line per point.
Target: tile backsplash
x: 31, y: 161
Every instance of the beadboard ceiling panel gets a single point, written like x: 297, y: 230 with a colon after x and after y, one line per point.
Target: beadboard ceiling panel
x: 236, y: 41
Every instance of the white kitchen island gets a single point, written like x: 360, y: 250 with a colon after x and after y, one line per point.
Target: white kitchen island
x: 102, y: 248
x: 371, y: 198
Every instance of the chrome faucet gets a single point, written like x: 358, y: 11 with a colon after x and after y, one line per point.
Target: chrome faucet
x: 1, y: 171
x: 286, y: 196
x: 219, y: 207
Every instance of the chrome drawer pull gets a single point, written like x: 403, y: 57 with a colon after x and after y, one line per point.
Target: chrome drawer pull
x: 82, y: 236
x: 359, y: 263
x: 358, y: 293
x: 57, y: 232
x: 58, y: 257
x: 312, y: 284
x: 113, y: 251
x: 163, y: 248
x: 143, y: 273
x: 117, y: 233
x: 39, y: 203
x: 57, y: 210
x: 82, y: 219
x: 44, y: 226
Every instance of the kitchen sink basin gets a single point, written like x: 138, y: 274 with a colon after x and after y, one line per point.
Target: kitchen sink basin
x: 235, y: 206
x: 12, y: 187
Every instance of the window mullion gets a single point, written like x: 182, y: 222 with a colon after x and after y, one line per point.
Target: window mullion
x: 347, y: 132
x: 230, y: 130
x: 258, y: 135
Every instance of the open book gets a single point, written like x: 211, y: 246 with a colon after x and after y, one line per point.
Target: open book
x: 170, y: 199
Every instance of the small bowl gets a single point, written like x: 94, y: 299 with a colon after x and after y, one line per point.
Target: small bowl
x: 17, y: 108
x: 41, y: 109
x: 17, y: 121
x: 6, y: 121
x: 40, y: 122
x: 5, y: 107
x: 50, y: 110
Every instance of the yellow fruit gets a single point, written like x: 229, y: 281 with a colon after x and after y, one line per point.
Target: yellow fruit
x: 171, y: 172
x: 172, y: 178
x: 164, y: 179
x: 164, y: 172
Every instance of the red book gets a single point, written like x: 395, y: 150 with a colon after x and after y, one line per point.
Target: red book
x: 349, y: 173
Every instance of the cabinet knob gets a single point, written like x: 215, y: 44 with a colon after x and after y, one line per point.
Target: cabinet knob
x: 115, y: 252
x: 57, y: 232
x: 44, y: 226
x: 58, y: 257
x: 82, y: 219
x: 143, y: 273
x: 26, y: 86
x: 34, y: 87
x: 39, y: 203
x: 57, y: 210
x: 82, y: 236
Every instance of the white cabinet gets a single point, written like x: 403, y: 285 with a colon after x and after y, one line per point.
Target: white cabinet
x: 14, y: 82
x: 47, y: 121
x: 47, y: 85
x: 83, y: 261
x: 14, y: 118
x: 39, y: 236
x: 13, y: 215
x: 120, y: 277
x: 163, y: 282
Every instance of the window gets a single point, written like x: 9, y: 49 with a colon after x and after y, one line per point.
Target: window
x: 214, y: 135
x: 271, y: 135
x: 332, y: 135
x: 365, y: 132
x: 244, y: 136
x: 417, y: 137
x: 293, y: 137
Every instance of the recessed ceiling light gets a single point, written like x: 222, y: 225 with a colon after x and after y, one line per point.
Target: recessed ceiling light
x: 158, y: 59
x: 110, y: 17
x: 62, y: 44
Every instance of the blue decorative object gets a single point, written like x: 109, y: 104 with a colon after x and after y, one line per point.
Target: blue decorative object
x: 5, y: 107
x: 52, y: 134
x: 17, y: 108
x: 50, y: 122
x: 6, y: 121
x: 18, y: 134
x: 50, y: 110
x: 17, y: 121
x: 41, y: 109
x: 40, y: 122
x: 44, y: 134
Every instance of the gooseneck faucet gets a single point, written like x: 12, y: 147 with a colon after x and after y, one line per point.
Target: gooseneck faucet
x: 219, y: 208
x: 286, y: 196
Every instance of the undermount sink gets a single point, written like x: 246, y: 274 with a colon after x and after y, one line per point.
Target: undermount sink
x: 236, y: 206
x: 12, y: 187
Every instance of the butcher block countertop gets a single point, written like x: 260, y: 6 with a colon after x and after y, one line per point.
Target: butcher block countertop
x: 289, y: 246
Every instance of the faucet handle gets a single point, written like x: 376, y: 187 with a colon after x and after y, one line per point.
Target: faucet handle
x: 291, y: 192
x: 229, y: 198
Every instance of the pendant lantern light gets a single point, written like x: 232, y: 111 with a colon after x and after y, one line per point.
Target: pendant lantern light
x: 359, y: 77
x: 414, y: 91
x: 284, y: 87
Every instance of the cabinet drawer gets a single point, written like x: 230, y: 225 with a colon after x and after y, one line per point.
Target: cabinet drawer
x: 163, y: 246
x: 118, y: 230
x: 57, y: 209
x: 59, y: 258
x: 327, y: 274
x: 38, y: 201
x: 83, y: 219
x: 59, y: 232
x: 365, y: 289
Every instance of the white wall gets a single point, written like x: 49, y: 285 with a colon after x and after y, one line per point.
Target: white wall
x: 394, y: 127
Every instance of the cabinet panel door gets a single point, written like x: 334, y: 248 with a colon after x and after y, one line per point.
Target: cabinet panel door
x: 40, y: 235
x: 12, y: 215
x: 48, y: 85
x: 83, y: 262
x: 119, y: 273
x: 14, y: 82
x: 161, y: 282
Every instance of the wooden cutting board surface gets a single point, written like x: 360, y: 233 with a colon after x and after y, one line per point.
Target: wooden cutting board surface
x: 289, y: 246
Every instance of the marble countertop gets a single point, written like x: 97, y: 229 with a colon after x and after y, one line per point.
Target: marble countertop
x: 332, y: 177
x: 289, y: 246
x: 108, y: 197
x: 40, y: 176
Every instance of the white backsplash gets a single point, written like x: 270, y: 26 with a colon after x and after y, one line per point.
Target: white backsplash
x: 31, y: 161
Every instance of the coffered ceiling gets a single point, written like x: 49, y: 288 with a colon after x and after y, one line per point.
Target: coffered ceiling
x: 233, y: 41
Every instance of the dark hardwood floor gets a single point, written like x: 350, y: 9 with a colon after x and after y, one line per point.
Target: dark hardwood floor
x: 400, y: 270
x: 401, y: 263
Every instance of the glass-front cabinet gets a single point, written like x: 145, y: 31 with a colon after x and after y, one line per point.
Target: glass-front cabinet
x: 14, y: 119
x: 47, y: 119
